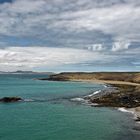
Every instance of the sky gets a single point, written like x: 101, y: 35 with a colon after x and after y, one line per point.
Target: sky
x: 70, y: 35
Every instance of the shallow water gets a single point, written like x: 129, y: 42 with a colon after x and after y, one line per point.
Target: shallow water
x: 49, y: 113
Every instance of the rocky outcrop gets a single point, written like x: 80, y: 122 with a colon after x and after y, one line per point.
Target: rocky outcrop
x: 124, y: 96
x: 10, y: 99
x: 55, y: 78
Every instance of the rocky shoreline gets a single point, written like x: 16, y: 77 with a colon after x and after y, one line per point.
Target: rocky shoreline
x: 125, y: 98
x: 123, y: 91
x: 118, y: 96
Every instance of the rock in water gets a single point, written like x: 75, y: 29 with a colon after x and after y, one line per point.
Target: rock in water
x: 10, y: 99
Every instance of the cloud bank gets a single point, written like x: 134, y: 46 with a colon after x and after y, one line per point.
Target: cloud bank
x: 75, y: 32
x: 119, y: 19
x: 14, y: 58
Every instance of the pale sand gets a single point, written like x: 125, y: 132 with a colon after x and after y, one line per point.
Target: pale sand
x: 107, y: 82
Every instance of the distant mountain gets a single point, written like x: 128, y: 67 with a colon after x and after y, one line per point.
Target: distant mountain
x: 25, y: 72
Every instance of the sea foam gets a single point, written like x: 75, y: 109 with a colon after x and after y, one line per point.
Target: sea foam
x: 28, y: 100
x: 125, y: 110
x: 83, y: 100
x: 94, y: 93
x: 78, y: 99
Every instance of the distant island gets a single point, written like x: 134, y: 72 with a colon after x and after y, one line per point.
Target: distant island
x: 25, y: 72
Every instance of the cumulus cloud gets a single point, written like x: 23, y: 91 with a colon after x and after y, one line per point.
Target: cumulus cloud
x: 96, y: 47
x: 118, y: 46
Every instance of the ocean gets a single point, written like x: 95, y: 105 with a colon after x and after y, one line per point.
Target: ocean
x: 50, y: 112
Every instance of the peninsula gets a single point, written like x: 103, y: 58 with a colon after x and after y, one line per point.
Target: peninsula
x: 125, y: 85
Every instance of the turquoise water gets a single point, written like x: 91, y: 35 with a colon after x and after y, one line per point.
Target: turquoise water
x: 52, y: 116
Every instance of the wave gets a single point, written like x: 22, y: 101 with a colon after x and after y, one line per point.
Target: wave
x: 28, y: 100
x: 78, y: 99
x: 105, y: 86
x: 94, y: 93
x: 135, y: 116
x: 125, y: 110
x: 85, y: 99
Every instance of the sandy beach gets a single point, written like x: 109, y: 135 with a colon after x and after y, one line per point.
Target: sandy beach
x: 107, y: 82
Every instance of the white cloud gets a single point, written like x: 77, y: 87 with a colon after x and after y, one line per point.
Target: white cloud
x: 96, y: 47
x: 31, y: 57
x: 31, y: 17
x: 119, y: 46
x: 14, y: 58
x: 120, y: 21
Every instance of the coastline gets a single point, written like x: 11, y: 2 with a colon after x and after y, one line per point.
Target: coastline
x: 109, y: 82
x: 134, y: 111
x: 122, y: 92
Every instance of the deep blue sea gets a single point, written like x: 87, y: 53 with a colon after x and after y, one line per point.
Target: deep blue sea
x: 49, y: 114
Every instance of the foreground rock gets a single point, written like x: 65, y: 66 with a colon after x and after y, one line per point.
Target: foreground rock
x: 125, y: 96
x: 10, y: 99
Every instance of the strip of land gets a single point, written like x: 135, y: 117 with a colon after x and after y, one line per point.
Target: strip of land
x: 107, y: 82
x: 133, y: 77
x: 124, y: 92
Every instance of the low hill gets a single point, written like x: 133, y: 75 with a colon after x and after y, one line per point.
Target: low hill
x: 113, y: 76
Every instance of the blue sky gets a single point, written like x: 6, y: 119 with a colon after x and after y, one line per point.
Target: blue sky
x: 70, y: 35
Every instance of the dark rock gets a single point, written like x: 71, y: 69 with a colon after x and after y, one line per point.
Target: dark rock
x: 10, y: 99
x: 125, y: 96
x: 55, y: 78
x: 136, y: 127
x: 137, y: 119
